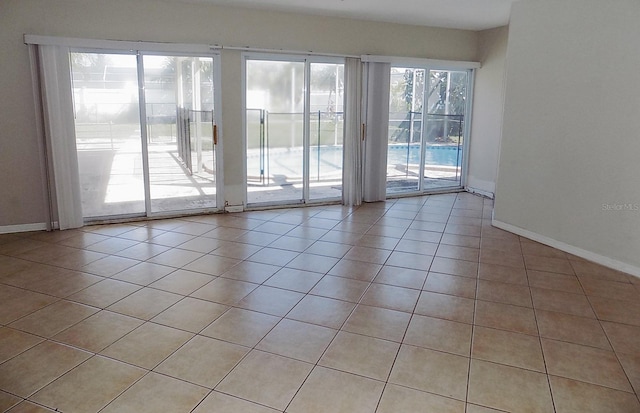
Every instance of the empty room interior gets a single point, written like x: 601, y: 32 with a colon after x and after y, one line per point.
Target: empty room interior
x: 349, y: 206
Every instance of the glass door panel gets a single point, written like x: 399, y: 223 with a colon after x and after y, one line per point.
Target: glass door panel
x: 275, y: 131
x: 108, y: 140
x: 326, y: 122
x: 405, y: 130
x: 445, y: 125
x: 179, y: 98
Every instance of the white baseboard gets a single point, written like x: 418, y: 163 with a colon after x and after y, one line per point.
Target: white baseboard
x: 587, y: 255
x: 9, y: 229
x: 477, y: 191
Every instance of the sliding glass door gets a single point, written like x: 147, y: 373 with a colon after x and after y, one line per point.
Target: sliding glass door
x: 108, y: 134
x: 144, y: 153
x: 427, y: 129
x: 294, y: 127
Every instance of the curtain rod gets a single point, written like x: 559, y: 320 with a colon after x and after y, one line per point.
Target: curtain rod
x: 285, y: 51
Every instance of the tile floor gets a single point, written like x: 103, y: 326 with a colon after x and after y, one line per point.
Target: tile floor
x: 411, y: 305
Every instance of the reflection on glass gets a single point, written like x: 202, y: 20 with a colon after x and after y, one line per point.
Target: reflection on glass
x: 107, y: 123
x: 179, y: 108
x: 275, y: 130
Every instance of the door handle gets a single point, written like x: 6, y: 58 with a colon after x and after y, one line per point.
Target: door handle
x: 215, y: 134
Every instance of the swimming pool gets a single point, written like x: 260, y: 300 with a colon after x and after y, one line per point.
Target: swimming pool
x: 445, y: 155
x: 326, y: 161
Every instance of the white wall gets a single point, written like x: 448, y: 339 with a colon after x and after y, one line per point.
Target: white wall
x: 21, y: 200
x: 488, y: 104
x: 570, y: 143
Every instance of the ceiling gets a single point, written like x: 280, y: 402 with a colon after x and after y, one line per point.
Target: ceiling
x: 455, y: 14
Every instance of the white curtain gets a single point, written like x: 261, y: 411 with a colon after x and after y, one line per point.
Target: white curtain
x: 377, y: 130
x: 59, y: 131
x: 352, y: 166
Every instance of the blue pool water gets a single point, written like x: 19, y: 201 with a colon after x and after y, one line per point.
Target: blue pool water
x: 434, y: 155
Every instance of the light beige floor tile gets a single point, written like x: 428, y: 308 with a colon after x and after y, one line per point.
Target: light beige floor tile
x: 624, y: 338
x: 8, y: 400
x: 374, y: 241
x: 474, y: 408
x: 340, y: 288
x: 190, y: 314
x: 290, y: 243
x: 432, y: 371
x: 143, y: 251
x: 182, y: 282
x: 241, y: 326
x: 609, y: 289
x: 270, y: 300
x: 378, y: 322
x: 451, y: 285
x: 368, y: 254
x: 504, y: 293
x: 235, y: 250
x: 171, y: 239
x: 509, y: 388
x: 454, y: 267
x: 458, y: 253
x: 27, y: 407
x: 392, y: 297
x: 554, y: 281
x: 297, y: 340
x: 294, y: 280
x: 147, y: 345
x: 573, y: 396
x: 618, y: 311
x: 328, y: 249
x: 357, y: 270
x: 322, y: 311
x: 631, y: 366
x: 144, y: 273
x: 104, y: 293
x: 38, y: 366
x: 401, y: 277
x: 273, y: 256
x: 502, y: 273
x: 253, y: 272
x: 211, y: 264
x: 14, y: 342
x: 409, y: 260
x: 575, y: 304
x: 51, y: 320
x: 224, y: 291
x: 445, y: 306
x: 266, y: 379
x: 535, y: 248
x: 98, y: 331
x: 203, y: 361
x: 222, y: 403
x: 506, y: 317
x: 548, y: 264
x: 145, y: 303
x: 312, y: 262
x: 439, y: 334
x: 177, y: 258
x: 505, y: 347
x: 461, y: 240
x: 501, y: 257
x: 586, y: 364
x: 349, y: 393
x: 361, y: 355
x: 401, y: 399
x: 109, y: 266
x: 90, y: 386
x: 574, y: 329
x: 155, y: 393
x: 16, y: 303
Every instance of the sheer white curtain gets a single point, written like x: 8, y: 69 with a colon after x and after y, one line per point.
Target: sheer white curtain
x: 377, y: 130
x: 352, y: 167
x: 59, y: 134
